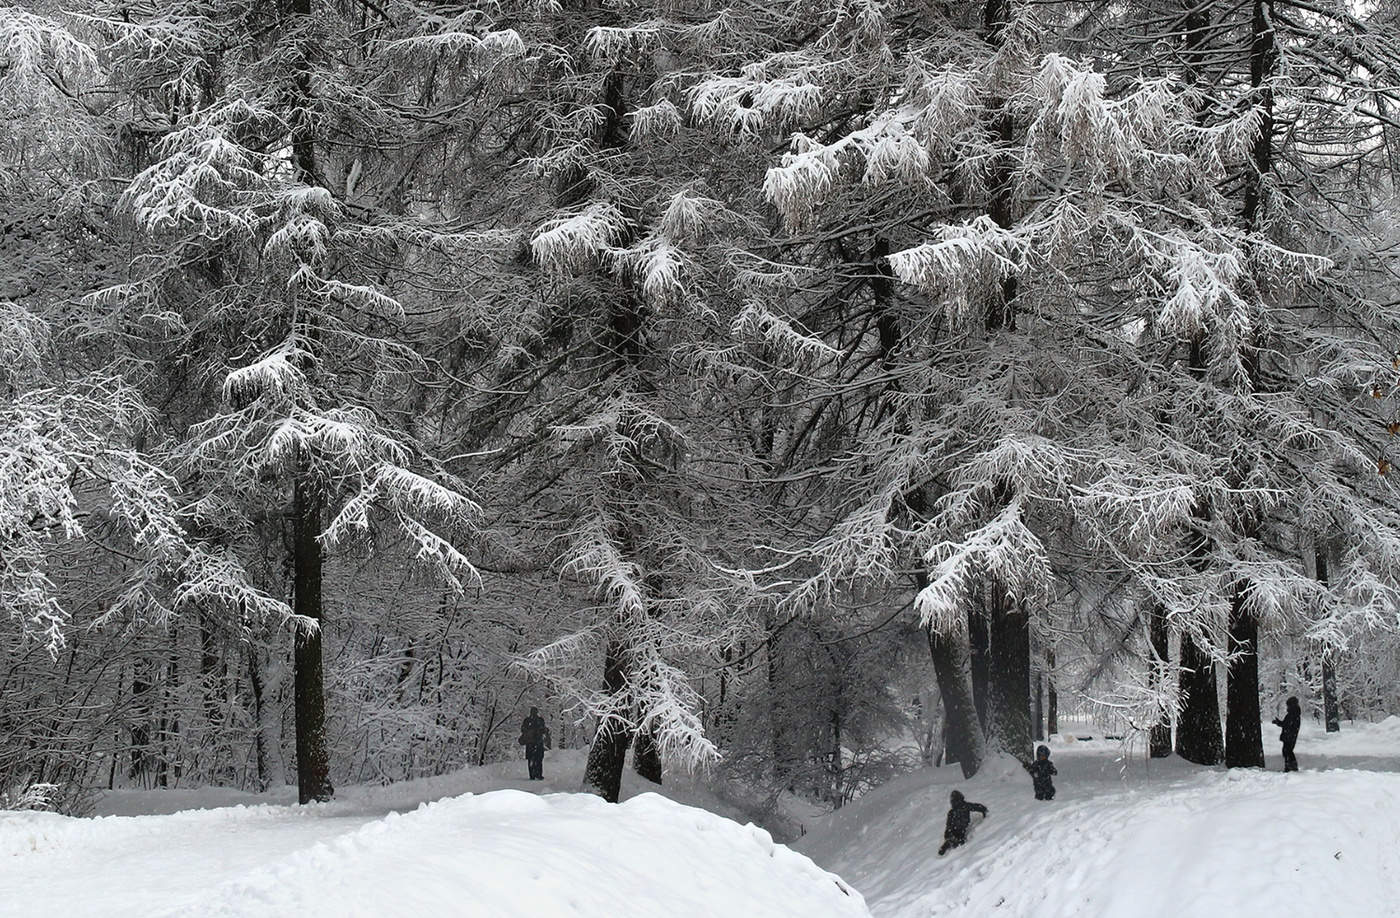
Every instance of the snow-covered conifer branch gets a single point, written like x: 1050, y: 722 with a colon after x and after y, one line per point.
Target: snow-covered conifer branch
x: 573, y: 242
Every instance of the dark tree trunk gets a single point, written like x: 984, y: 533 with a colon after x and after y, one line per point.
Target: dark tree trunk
x: 646, y: 756
x: 952, y: 668
x: 1198, y: 729
x: 1244, y: 739
x: 140, y: 725
x: 313, y: 755
x: 979, y: 659
x: 1159, y: 737
x: 1009, y: 701
x: 1329, y: 669
x: 1330, y: 713
x: 608, y: 755
x: 1052, y: 699
x: 255, y: 683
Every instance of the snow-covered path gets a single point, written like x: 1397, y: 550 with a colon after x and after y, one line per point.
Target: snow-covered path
x: 1163, y: 839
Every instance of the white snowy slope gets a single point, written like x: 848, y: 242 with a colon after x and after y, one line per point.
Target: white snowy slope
x: 500, y: 854
x: 1138, y: 839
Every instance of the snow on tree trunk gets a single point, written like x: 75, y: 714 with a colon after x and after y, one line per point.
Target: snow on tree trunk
x: 313, y: 755
x: 1244, y: 741
x: 1198, y: 726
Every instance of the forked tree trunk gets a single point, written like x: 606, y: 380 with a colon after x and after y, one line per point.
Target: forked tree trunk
x: 1198, y: 729
x: 953, y: 670
x: 1244, y: 740
x: 608, y: 755
x: 313, y: 755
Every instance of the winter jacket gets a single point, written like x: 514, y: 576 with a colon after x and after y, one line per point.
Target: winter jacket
x: 1290, y: 723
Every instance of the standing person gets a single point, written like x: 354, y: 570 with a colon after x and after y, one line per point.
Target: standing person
x: 959, y: 818
x: 534, y: 736
x: 1041, y: 770
x: 1288, y: 733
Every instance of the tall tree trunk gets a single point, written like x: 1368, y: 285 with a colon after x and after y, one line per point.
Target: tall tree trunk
x: 255, y: 683
x: 979, y: 659
x: 608, y: 754
x: 1198, y: 729
x: 1159, y: 737
x: 646, y: 756
x: 1038, y: 729
x: 1244, y: 740
x: 313, y: 755
x: 1321, y: 553
x: 1052, y: 703
x: 953, y: 670
x: 1009, y: 701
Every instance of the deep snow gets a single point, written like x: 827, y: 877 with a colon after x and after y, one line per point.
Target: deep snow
x: 1136, y: 838
x: 1124, y: 837
x: 500, y: 854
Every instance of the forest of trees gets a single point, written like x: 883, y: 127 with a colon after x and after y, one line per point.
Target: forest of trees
x: 804, y: 390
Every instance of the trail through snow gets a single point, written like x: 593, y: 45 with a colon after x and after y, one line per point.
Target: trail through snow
x: 1137, y: 839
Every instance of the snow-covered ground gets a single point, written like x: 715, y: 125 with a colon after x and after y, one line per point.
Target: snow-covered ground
x: 1124, y: 837
x: 1136, y: 838
x: 486, y: 845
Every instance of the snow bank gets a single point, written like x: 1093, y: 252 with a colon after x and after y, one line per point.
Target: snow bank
x: 496, y: 855
x: 1168, y: 840
x: 510, y: 853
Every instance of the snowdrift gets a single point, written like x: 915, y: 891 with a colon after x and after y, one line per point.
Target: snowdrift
x: 502, y: 854
x: 1126, y: 838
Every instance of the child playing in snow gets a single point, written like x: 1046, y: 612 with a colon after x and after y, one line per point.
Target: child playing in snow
x: 1041, y: 770
x: 959, y: 817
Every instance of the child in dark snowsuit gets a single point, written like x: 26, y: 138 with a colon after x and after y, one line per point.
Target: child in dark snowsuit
x: 1288, y: 735
x: 1041, y: 770
x: 959, y: 817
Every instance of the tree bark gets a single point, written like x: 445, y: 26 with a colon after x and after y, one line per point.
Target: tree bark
x: 1244, y: 739
x: 1052, y: 701
x: 1331, y: 716
x: 313, y: 755
x: 979, y: 659
x: 1159, y: 737
x: 1198, y: 729
x: 953, y: 670
x: 1009, y: 702
x: 1038, y: 730
x: 608, y: 754
x: 646, y: 756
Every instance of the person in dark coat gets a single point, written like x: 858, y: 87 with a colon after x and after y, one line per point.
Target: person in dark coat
x: 1041, y: 770
x: 959, y: 818
x: 1288, y: 733
x: 534, y: 736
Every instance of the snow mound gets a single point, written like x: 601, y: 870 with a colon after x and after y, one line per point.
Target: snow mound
x: 1170, y: 841
x: 510, y: 853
